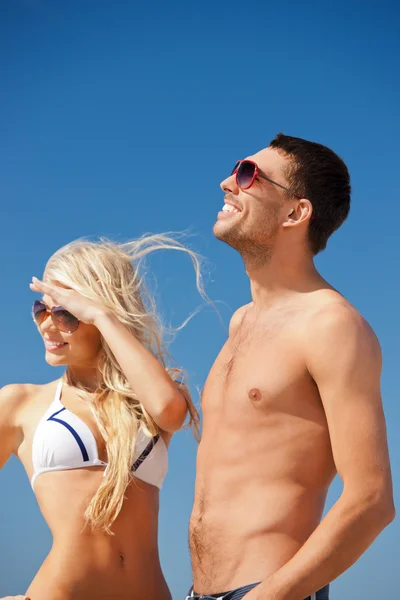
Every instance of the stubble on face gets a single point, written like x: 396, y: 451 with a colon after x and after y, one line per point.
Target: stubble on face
x: 255, y: 238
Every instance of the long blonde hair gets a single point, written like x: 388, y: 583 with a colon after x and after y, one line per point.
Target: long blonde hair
x: 109, y: 273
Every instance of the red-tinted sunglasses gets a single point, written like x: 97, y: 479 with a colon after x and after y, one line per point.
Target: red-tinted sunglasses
x: 62, y: 319
x: 247, y: 171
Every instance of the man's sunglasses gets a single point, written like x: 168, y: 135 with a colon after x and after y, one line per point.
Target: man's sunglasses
x: 247, y: 171
x: 61, y: 318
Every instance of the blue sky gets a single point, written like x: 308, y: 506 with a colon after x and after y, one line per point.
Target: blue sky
x: 119, y: 118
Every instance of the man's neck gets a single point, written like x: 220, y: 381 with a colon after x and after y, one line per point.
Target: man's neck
x: 282, y: 276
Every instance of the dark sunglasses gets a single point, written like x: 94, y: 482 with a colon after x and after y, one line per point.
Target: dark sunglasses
x: 247, y: 171
x: 61, y: 318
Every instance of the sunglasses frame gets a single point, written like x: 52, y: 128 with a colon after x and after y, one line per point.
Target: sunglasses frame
x: 51, y: 311
x: 257, y: 173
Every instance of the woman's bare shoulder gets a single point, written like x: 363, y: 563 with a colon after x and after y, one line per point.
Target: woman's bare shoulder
x: 15, y: 396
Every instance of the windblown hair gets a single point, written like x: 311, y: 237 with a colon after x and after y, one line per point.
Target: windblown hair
x: 109, y: 273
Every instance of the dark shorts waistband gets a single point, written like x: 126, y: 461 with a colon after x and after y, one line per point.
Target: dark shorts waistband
x: 239, y: 593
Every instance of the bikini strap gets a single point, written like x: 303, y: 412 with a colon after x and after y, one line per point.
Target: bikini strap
x: 57, y: 396
x: 145, y: 452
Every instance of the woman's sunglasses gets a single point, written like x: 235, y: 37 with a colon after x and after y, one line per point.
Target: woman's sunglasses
x: 61, y: 318
x: 247, y: 171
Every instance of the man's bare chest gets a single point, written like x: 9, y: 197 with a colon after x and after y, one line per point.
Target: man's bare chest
x: 257, y: 366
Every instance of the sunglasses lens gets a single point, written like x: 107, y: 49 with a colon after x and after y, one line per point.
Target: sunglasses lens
x: 63, y: 319
x: 38, y: 312
x: 245, y: 174
x: 235, y: 168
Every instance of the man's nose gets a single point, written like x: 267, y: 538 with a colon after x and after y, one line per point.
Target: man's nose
x: 229, y: 185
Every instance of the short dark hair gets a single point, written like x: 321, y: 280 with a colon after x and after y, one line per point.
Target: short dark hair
x: 315, y: 172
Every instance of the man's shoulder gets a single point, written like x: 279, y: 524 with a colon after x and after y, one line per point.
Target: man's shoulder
x: 333, y: 324
x: 329, y: 310
x: 237, y: 318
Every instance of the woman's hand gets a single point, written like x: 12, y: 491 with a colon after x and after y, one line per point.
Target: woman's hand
x: 82, y: 308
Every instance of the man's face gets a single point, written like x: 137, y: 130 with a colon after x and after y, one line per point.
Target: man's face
x: 255, y: 215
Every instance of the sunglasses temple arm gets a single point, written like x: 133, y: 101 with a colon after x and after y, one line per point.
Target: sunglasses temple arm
x: 279, y: 185
x: 274, y: 182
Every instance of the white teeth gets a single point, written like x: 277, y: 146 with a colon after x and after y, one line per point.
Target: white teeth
x: 229, y: 208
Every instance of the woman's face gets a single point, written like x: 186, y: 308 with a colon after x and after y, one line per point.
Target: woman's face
x: 82, y: 348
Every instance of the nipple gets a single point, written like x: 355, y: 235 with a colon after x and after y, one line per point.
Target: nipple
x: 255, y: 395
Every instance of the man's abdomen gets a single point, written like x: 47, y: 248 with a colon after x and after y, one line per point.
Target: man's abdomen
x: 258, y: 498
x: 251, y: 534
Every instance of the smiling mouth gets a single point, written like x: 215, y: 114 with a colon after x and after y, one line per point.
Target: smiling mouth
x: 50, y: 345
x: 228, y: 208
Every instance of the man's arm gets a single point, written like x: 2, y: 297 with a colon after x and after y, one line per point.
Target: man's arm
x: 344, y: 359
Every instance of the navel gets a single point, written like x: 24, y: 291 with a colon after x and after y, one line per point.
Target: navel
x: 121, y: 559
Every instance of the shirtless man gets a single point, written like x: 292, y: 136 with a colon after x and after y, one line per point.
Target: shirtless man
x: 292, y: 399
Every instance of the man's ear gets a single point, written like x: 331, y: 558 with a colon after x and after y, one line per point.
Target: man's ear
x: 298, y: 214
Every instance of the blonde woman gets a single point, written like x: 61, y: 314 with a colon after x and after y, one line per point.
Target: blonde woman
x: 94, y: 443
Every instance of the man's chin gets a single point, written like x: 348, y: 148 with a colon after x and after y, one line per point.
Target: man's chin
x: 222, y: 231
x: 227, y: 234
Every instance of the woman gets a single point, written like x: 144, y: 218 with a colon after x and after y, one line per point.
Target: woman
x: 94, y: 443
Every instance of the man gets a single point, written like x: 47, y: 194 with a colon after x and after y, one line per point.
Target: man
x: 292, y: 399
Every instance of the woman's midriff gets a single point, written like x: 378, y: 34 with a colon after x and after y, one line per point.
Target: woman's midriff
x: 85, y: 564
x: 85, y: 571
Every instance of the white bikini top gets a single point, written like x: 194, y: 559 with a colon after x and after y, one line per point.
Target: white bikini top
x: 62, y: 441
